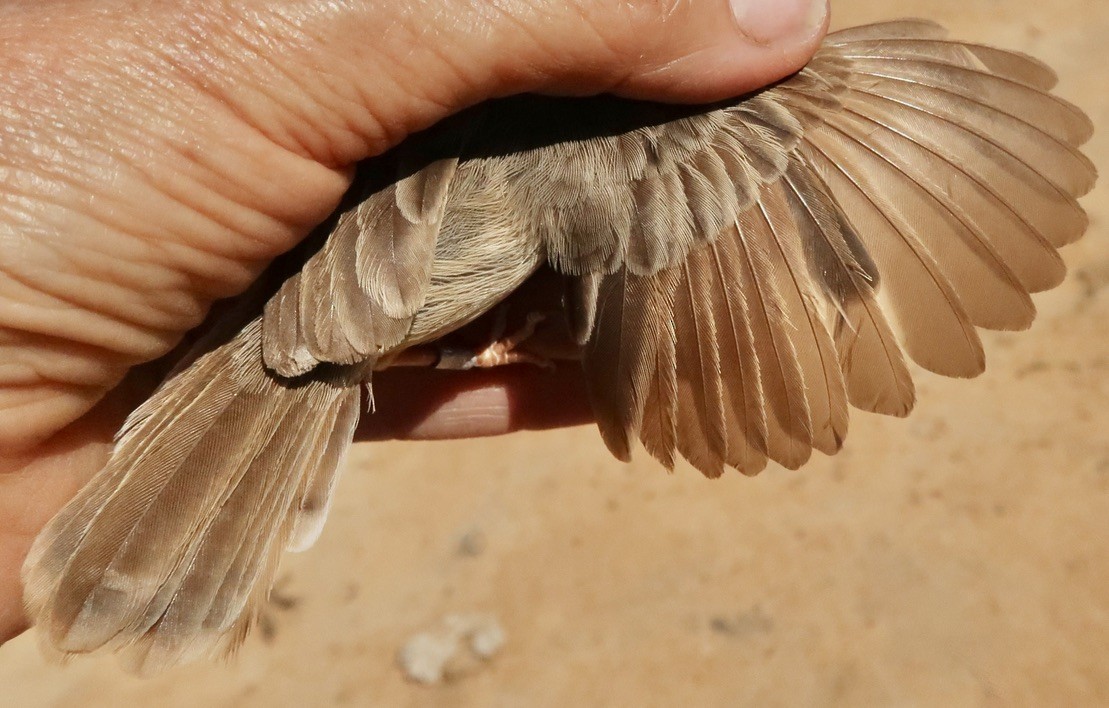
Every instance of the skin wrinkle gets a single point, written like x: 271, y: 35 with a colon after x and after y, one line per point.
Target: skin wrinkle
x: 216, y: 209
x: 154, y: 312
x: 192, y: 63
x: 408, y: 43
x: 530, y: 29
x: 350, y: 115
x: 66, y: 212
x: 416, y: 35
x: 147, y: 247
x: 78, y: 253
x: 68, y: 361
x: 54, y: 171
x: 619, y: 64
x: 68, y: 177
x: 196, y: 199
x: 212, y: 203
x: 55, y: 406
x: 712, y: 73
x: 464, y: 84
x: 187, y: 48
x: 252, y: 32
x: 65, y: 288
x: 95, y: 82
x: 644, y: 53
x: 302, y: 128
x: 139, y: 344
x: 156, y: 243
x: 260, y: 196
x: 410, y: 71
x: 161, y: 282
x: 44, y: 402
x: 73, y: 305
x: 48, y: 388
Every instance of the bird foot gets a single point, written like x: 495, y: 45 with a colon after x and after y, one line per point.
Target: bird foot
x: 501, y: 350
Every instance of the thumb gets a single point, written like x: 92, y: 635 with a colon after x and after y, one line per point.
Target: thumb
x: 355, y: 78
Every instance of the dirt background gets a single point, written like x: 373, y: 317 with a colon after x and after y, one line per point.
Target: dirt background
x: 960, y: 557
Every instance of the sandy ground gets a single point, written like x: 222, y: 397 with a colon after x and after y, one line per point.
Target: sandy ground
x: 957, y: 558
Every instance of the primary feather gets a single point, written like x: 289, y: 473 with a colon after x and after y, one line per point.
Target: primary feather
x: 736, y: 275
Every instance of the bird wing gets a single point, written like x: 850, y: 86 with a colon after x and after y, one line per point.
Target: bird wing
x: 357, y: 295
x: 897, y: 193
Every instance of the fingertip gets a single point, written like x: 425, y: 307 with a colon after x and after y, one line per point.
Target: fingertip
x: 761, y: 43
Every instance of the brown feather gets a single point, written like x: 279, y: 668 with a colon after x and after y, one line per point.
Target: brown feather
x: 789, y: 422
x: 816, y: 353
x: 395, y: 244
x: 745, y: 404
x: 220, y: 442
x: 618, y: 358
x: 876, y: 376
x: 700, y: 396
x: 659, y: 429
x: 581, y: 306
x: 934, y: 328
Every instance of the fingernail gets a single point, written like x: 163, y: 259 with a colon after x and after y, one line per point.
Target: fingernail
x: 767, y: 21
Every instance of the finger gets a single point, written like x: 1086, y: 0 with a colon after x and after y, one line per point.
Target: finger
x: 340, y: 81
x: 422, y: 405
x: 36, y: 484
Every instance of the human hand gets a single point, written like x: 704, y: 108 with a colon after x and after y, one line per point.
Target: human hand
x: 154, y: 159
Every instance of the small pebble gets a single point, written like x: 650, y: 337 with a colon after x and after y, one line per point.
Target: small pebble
x: 460, y: 646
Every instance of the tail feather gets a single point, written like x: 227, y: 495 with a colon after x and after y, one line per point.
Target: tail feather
x: 215, y: 473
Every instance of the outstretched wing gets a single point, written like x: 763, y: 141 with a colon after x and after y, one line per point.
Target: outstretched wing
x: 896, y: 194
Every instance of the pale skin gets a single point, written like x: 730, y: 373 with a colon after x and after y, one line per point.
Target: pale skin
x: 155, y: 156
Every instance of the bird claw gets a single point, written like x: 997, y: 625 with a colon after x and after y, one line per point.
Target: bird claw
x: 501, y: 351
